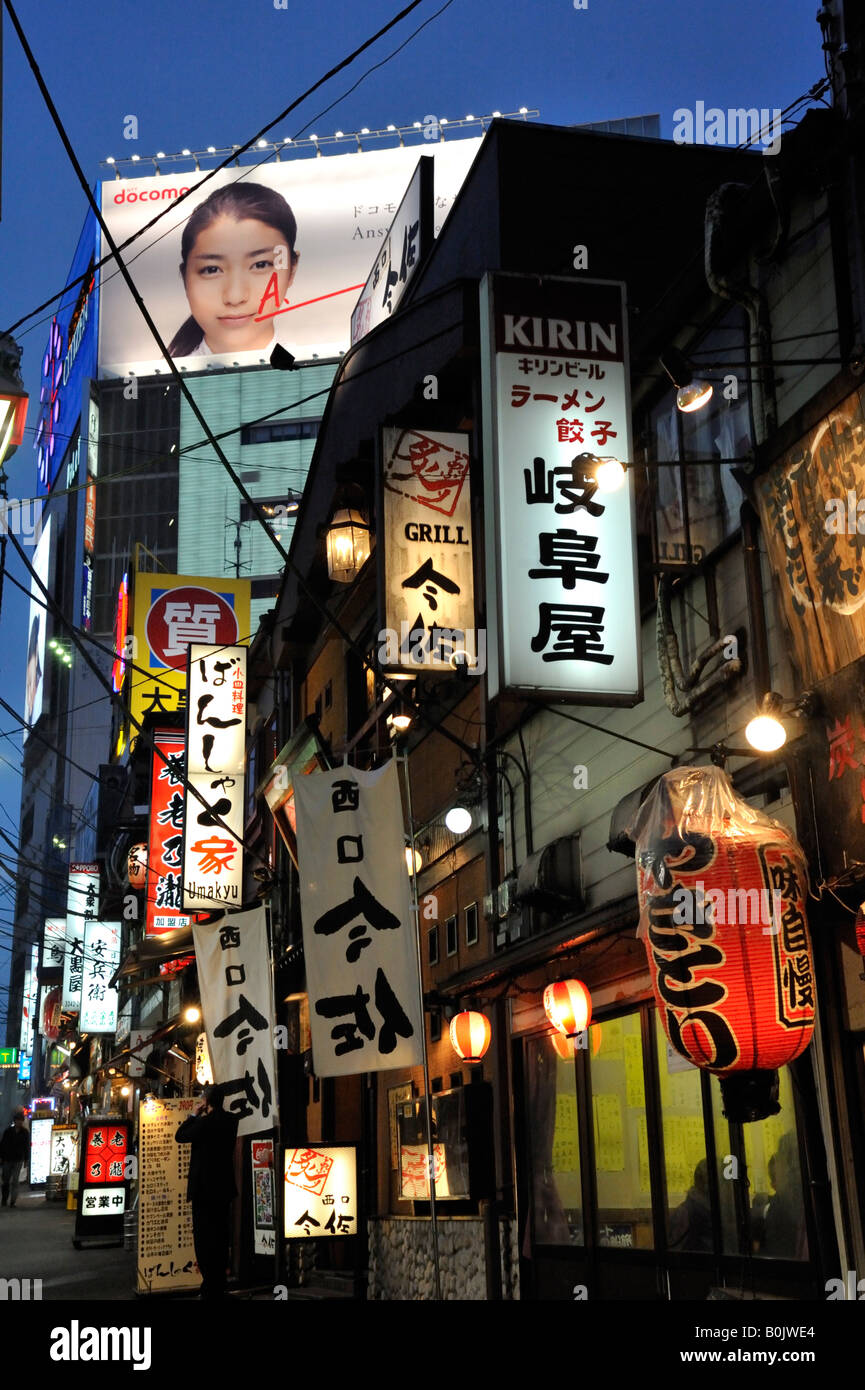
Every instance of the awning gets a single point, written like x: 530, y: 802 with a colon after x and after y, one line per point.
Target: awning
x: 135, y: 969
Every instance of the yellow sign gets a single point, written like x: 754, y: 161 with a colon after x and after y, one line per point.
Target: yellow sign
x: 169, y: 612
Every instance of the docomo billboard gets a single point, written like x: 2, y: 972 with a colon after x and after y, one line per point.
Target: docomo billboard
x: 170, y: 611
x: 329, y: 215
x: 561, y: 554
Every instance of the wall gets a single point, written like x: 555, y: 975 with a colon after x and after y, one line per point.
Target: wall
x: 401, y: 1263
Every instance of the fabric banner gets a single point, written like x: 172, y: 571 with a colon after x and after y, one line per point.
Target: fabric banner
x: 215, y: 761
x: 359, y: 944
x: 237, y: 1002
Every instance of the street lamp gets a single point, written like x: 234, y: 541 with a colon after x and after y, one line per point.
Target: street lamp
x: 13, y: 399
x: 347, y: 545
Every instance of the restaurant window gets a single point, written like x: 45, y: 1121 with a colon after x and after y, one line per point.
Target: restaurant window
x: 688, y: 1189
x: 693, y: 505
x: 553, y: 1144
x: 775, y: 1207
x: 624, y: 1211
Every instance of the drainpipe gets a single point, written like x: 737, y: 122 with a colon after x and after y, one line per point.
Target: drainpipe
x: 754, y: 303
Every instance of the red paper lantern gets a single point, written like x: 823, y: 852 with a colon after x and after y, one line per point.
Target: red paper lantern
x: 722, y: 891
x: 136, y: 866
x: 567, y: 1048
x: 568, y: 1006
x: 860, y: 929
x: 470, y: 1035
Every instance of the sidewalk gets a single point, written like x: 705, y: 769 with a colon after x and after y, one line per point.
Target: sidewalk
x: 36, y: 1243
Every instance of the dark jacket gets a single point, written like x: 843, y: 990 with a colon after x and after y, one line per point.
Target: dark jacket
x: 211, y: 1163
x: 15, y: 1144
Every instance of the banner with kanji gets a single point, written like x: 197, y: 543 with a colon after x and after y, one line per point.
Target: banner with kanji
x: 237, y: 1002
x: 215, y: 761
x: 358, y: 936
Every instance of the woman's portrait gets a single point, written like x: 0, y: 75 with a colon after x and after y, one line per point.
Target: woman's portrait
x: 232, y: 246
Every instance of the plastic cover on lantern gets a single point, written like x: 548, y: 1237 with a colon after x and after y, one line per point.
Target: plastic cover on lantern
x: 733, y: 995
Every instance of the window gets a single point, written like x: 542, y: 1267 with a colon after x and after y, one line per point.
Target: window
x: 317, y: 707
x: 452, y: 941
x: 435, y: 1026
x: 328, y: 695
x: 472, y: 924
x: 624, y: 1213
x: 275, y: 431
x: 432, y: 945
x: 552, y: 1133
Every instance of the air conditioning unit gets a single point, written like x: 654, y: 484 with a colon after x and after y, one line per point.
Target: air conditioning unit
x: 549, y: 886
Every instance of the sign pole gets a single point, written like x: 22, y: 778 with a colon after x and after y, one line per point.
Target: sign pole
x: 427, y: 1095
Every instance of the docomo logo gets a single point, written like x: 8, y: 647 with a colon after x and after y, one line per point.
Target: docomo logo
x: 128, y: 195
x: 188, y: 614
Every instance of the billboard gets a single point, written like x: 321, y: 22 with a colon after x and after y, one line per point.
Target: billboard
x: 170, y: 611
x: 278, y: 253
x: 35, y: 672
x: 69, y: 362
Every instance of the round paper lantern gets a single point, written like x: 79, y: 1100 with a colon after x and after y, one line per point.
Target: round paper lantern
x: 568, y: 1006
x: 860, y: 929
x: 723, y: 892
x: 136, y: 866
x: 567, y: 1048
x: 470, y: 1035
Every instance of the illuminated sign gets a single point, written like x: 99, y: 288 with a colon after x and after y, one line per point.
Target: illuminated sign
x: 40, y: 1149
x: 101, y: 959
x: 35, y: 683
x: 121, y: 622
x: 82, y: 906
x: 164, y: 857
x: 405, y: 246
x: 169, y: 612
x: 561, y: 553
x: 8, y: 1056
x: 216, y: 758
x: 320, y: 1192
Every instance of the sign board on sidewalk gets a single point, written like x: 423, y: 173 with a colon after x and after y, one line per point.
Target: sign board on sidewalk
x: 166, y: 1255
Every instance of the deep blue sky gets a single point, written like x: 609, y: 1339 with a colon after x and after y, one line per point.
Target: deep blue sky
x: 202, y: 72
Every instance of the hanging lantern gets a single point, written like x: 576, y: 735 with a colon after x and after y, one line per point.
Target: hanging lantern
x: 567, y: 1048
x: 860, y: 929
x: 723, y: 892
x: 347, y: 545
x: 568, y: 1006
x: 136, y: 866
x: 470, y: 1035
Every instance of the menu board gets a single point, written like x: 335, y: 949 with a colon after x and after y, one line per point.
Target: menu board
x: 166, y: 1254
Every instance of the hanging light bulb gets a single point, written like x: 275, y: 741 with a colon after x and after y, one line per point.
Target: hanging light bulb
x: 413, y: 860
x: 692, y: 392
x: 192, y: 1014
x: 458, y: 820
x: 470, y: 1035
x: 609, y: 474
x: 765, y: 732
x: 568, y: 1006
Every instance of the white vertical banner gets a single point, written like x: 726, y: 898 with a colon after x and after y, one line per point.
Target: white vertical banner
x: 237, y: 1001
x: 216, y: 754
x: 358, y: 936
x: 101, y: 959
x: 53, y: 943
x: 82, y: 906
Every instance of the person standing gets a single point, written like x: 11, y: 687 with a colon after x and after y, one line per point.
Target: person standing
x: 211, y: 1187
x: 14, y: 1148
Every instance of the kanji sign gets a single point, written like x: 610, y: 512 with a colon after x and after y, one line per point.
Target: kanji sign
x: 320, y: 1192
x: 82, y: 908
x: 216, y: 754
x: 407, y: 241
x: 561, y: 554
x: 165, y: 841
x: 64, y: 1150
x: 53, y: 943
x: 170, y: 611
x: 101, y: 959
x: 359, y: 944
x: 429, y: 582
x: 237, y: 1002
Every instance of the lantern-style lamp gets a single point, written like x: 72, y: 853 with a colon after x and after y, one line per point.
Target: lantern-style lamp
x: 136, y: 866
x: 765, y: 732
x: 470, y: 1035
x: 347, y: 545
x: 13, y: 398
x: 860, y: 929
x: 568, y: 1006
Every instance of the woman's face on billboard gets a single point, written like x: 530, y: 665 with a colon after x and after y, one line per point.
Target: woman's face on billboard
x: 227, y: 273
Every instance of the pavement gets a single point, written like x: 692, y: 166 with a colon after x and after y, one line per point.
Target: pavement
x: 36, y: 1243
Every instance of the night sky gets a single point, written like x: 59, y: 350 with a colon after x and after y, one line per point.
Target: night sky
x: 211, y: 72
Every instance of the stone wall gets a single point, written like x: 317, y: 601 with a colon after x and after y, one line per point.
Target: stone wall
x: 401, y: 1264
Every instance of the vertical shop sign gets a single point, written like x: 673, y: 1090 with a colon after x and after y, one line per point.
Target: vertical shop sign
x: 165, y: 840
x: 216, y: 753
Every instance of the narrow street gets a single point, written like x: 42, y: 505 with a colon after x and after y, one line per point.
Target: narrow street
x: 36, y: 1243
